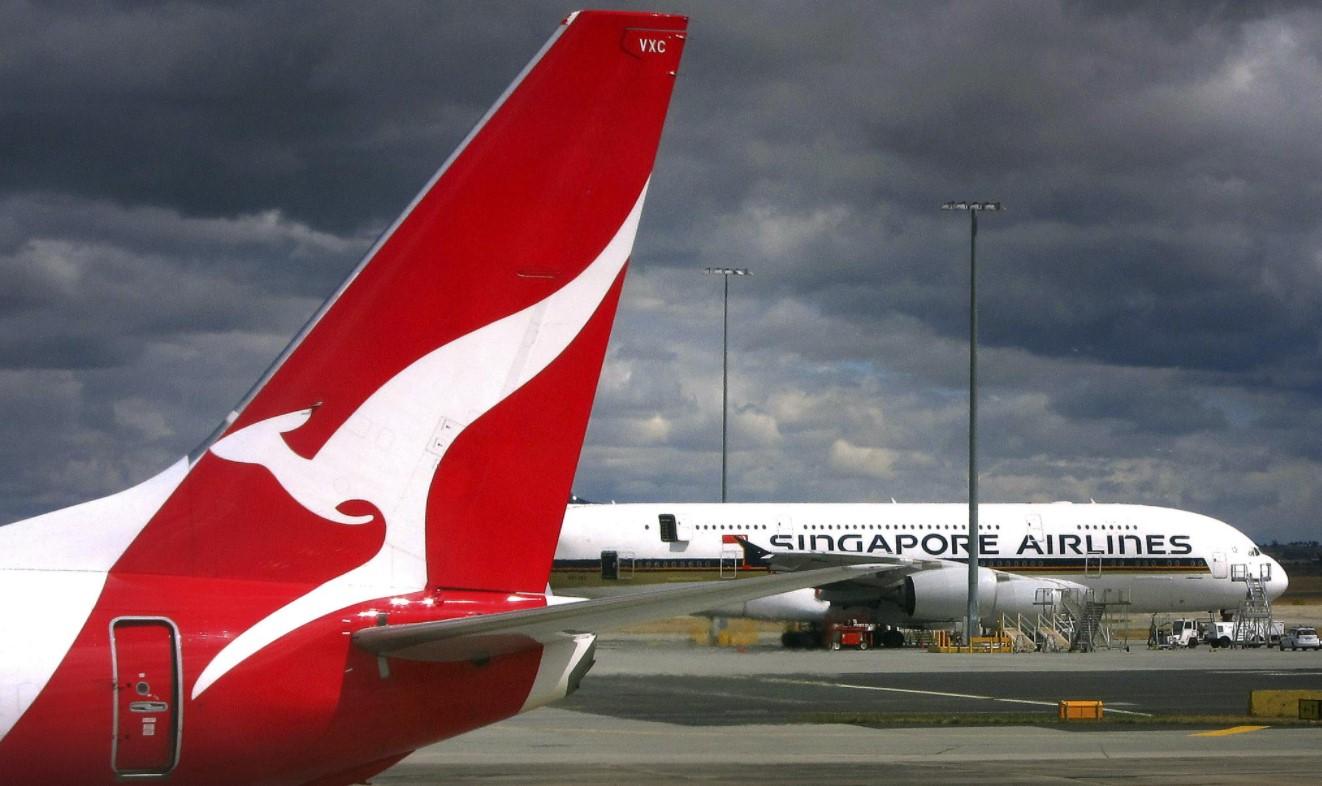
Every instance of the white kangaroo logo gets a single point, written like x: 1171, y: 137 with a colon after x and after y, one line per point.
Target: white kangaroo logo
x: 388, y: 450
x: 304, y: 479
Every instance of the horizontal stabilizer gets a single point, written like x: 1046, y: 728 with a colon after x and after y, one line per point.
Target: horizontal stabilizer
x: 498, y: 634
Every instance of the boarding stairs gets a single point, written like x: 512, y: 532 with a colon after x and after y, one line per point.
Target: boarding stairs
x: 1043, y: 632
x: 1067, y: 621
x: 1082, y: 624
x: 1082, y: 620
x: 1054, y: 631
x: 1253, y: 619
x: 1089, y: 629
x: 1019, y: 631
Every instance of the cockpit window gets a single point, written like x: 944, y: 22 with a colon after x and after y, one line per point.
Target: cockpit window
x: 1254, y: 552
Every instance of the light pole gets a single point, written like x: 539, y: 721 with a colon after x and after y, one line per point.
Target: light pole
x: 725, y: 273
x: 973, y: 209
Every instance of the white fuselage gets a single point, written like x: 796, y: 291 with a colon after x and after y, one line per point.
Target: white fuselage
x: 1148, y: 559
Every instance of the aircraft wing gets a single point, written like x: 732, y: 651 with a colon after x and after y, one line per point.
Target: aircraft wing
x: 793, y: 562
x: 498, y: 634
x: 866, y: 583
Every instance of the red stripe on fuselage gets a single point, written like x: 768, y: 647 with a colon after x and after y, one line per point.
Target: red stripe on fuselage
x: 314, y: 699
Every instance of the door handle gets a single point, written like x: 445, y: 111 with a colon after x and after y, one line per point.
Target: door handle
x: 148, y: 706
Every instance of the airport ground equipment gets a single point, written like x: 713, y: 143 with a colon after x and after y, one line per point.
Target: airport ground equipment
x: 1079, y: 618
x: 1066, y: 620
x: 1253, y: 620
x: 1186, y: 633
x: 999, y: 643
x: 1087, y: 616
x: 1075, y: 709
x: 1044, y: 632
x: 1229, y: 633
x: 1022, y: 632
x: 852, y: 634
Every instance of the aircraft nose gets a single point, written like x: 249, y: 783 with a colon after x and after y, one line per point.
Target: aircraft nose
x: 1280, y: 580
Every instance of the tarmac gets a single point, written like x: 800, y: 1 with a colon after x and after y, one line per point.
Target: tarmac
x: 658, y: 709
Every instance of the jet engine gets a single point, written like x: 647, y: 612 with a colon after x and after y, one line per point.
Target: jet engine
x: 942, y: 594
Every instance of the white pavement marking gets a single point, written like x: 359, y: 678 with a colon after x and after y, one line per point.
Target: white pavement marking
x: 939, y: 693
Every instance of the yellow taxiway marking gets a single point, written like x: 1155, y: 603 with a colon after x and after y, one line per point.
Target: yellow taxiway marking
x: 1229, y: 731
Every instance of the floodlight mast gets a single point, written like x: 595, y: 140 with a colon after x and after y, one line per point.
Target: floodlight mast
x: 972, y: 620
x: 725, y: 273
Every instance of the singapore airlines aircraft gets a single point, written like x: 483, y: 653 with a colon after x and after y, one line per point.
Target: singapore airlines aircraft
x: 355, y: 564
x: 1149, y: 559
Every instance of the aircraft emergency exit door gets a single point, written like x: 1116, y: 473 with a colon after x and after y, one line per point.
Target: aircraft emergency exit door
x: 145, y: 660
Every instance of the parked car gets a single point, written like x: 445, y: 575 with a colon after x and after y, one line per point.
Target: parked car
x: 1301, y: 638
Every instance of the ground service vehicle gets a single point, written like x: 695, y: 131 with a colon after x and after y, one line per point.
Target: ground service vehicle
x: 853, y: 634
x: 1224, y: 634
x: 1300, y: 638
x: 1185, y: 633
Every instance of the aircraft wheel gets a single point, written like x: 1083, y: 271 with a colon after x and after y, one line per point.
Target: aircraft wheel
x: 814, y: 638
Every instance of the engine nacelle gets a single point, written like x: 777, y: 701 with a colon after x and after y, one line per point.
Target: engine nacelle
x: 943, y: 594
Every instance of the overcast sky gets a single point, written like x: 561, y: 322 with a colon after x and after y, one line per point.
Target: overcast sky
x: 182, y: 184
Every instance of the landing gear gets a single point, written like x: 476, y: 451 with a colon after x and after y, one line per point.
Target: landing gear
x: 808, y: 638
x: 793, y: 640
x: 811, y: 637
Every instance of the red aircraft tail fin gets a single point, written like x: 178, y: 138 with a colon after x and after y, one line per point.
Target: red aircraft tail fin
x: 420, y: 434
x: 432, y: 412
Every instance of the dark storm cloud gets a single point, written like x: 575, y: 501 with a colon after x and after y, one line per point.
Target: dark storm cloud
x: 320, y: 109
x: 1155, y: 163
x: 149, y: 272
x: 184, y: 182
x: 1164, y: 411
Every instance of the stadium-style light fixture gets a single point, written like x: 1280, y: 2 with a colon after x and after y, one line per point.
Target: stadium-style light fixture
x: 725, y: 273
x: 963, y: 205
x: 973, y: 207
